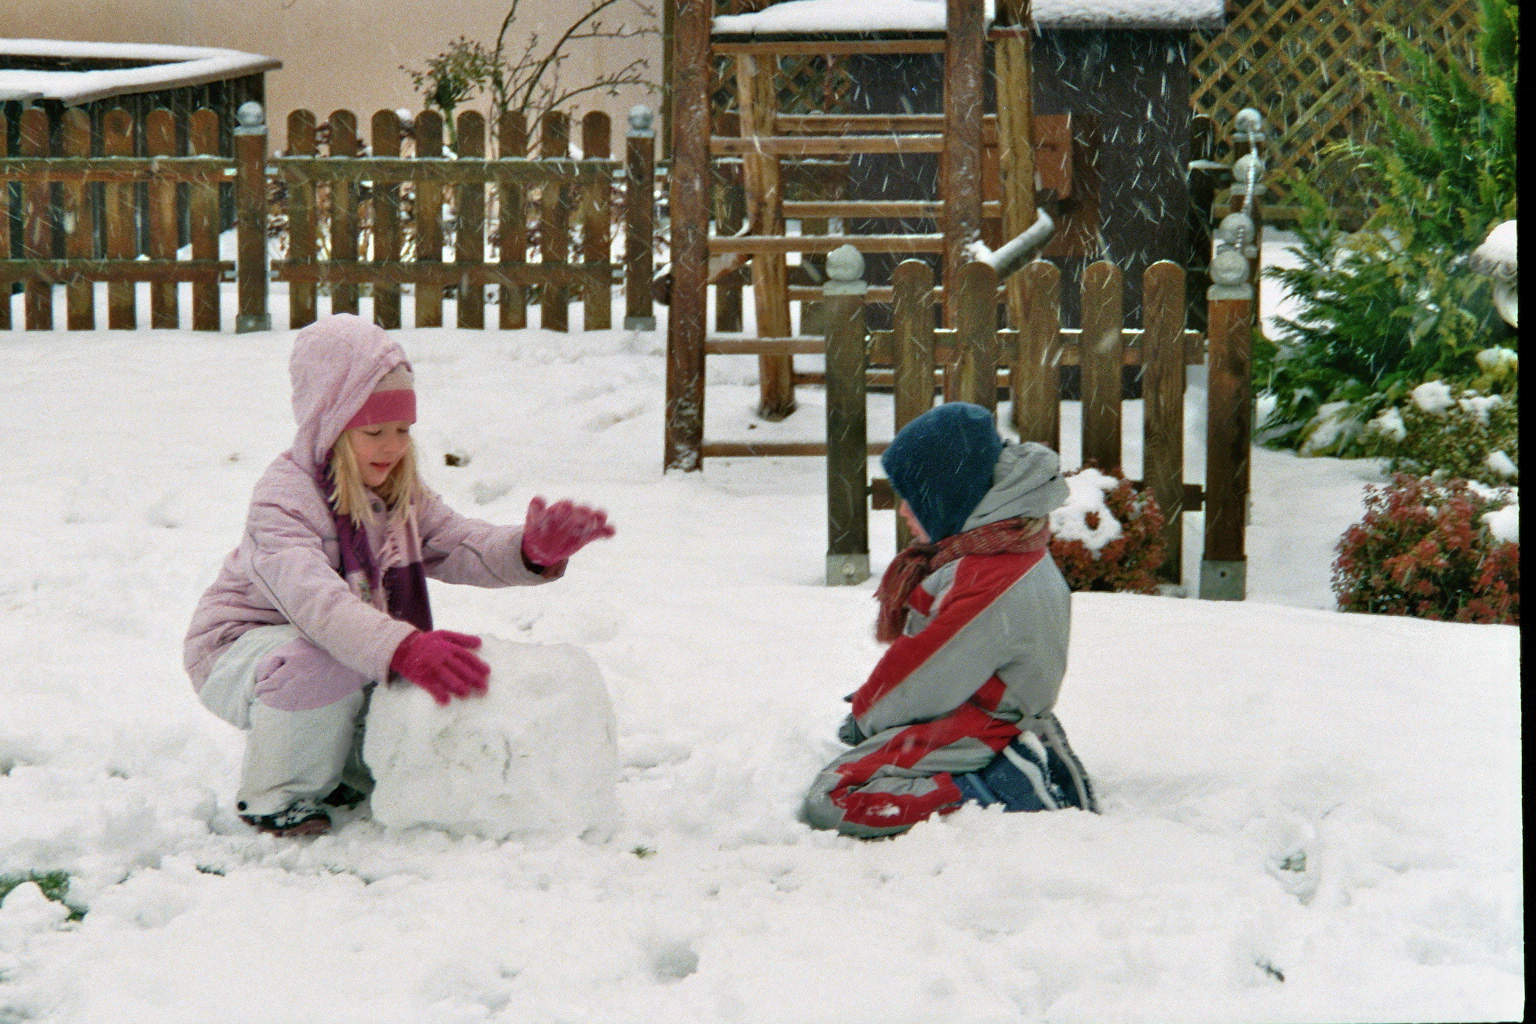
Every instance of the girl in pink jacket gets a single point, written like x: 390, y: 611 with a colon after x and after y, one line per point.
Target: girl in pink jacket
x: 326, y: 594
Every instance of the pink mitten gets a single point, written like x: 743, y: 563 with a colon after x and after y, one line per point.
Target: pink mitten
x: 441, y: 663
x: 553, y: 533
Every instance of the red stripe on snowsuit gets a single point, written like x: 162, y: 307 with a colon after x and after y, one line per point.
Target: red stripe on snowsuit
x: 979, y: 581
x: 906, y: 750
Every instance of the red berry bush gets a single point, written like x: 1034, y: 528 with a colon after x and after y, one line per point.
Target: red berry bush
x: 1092, y: 554
x: 1424, y: 550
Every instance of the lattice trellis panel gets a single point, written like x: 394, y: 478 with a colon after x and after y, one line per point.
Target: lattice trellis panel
x: 1304, y: 65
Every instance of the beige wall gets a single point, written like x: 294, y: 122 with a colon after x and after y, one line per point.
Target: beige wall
x: 335, y: 53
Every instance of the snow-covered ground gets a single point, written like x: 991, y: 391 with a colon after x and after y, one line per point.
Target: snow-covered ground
x: 1307, y: 815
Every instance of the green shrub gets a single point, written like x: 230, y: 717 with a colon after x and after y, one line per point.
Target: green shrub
x: 1444, y: 433
x: 1388, y: 307
x: 1425, y: 549
x: 1082, y: 545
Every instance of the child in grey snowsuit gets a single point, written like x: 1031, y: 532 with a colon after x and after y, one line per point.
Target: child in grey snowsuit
x: 977, y: 615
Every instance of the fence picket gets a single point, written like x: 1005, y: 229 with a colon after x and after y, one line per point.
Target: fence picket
x: 37, y: 226
x: 301, y: 221
x: 1036, y: 367
x: 469, y: 237
x: 79, y: 223
x: 1162, y: 389
x: 203, y: 220
x: 164, y: 227
x: 386, y: 220
x: 429, y: 220
x: 117, y: 140
x: 597, y: 221
x: 1103, y: 355
x: 344, y: 142
x: 512, y: 219
x: 554, y: 222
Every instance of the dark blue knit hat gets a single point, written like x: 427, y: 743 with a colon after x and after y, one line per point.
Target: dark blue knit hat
x: 941, y: 465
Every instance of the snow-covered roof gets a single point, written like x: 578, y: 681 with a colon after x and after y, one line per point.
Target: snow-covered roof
x: 163, y: 67
x: 814, y: 17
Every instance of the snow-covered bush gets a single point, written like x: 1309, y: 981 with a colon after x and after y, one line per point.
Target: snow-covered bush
x: 1108, y: 536
x: 1448, y: 551
x: 1447, y: 433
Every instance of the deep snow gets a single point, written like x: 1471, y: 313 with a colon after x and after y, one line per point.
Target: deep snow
x: 1308, y: 816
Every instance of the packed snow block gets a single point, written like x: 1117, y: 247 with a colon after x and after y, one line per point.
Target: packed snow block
x: 535, y: 757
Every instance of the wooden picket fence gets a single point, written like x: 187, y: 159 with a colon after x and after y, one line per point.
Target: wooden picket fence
x: 354, y: 217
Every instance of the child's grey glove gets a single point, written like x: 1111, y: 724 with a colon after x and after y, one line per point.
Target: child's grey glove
x: 849, y: 732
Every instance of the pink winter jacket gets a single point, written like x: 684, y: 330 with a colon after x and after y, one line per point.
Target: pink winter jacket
x: 287, y: 568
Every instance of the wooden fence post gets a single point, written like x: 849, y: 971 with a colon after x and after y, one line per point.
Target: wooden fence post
x: 975, y: 318
x: 596, y: 218
x: 964, y: 101
x: 164, y: 226
x: 80, y: 224
x: 1229, y: 411
x: 301, y: 221
x: 385, y: 129
x: 911, y: 352
x: 689, y: 203
x: 639, y: 186
x: 203, y: 210
x: 847, y: 429
x: 469, y: 235
x: 37, y: 221
x: 6, y: 283
x: 117, y: 140
x: 251, y: 310
x: 1102, y: 353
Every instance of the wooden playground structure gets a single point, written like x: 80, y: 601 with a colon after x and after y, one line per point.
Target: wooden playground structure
x: 945, y: 333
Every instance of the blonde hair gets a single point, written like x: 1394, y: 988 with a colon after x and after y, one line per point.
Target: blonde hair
x: 349, y: 495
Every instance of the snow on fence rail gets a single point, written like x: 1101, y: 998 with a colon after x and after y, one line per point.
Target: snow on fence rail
x: 350, y: 216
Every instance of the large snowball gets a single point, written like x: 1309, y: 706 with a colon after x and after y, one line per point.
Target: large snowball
x: 535, y: 756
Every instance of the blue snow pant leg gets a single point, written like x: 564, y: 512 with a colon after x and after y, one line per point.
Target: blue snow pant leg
x: 1035, y: 772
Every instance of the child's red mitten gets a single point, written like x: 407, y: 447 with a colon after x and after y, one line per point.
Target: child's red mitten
x: 553, y: 533
x: 442, y: 663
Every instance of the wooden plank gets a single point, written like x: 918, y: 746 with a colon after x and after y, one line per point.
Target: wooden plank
x: 716, y: 345
x: 512, y: 218
x: 36, y: 220
x: 344, y: 144
x: 964, y: 105
x: 445, y: 170
x: 757, y: 98
x: 595, y: 215
x: 203, y: 217
x: 822, y: 145
x: 726, y: 273
x: 252, y: 308
x: 779, y: 244
x: 118, y: 210
x: 428, y: 218
x: 469, y: 238
x: 64, y: 271
x: 775, y: 449
x: 1016, y: 153
x: 900, y: 124
x: 302, y: 308
x: 439, y: 274
x: 79, y: 222
x: 116, y: 169
x: 847, y: 441
x: 688, y: 126
x: 1162, y: 389
x: 1102, y: 357
x: 385, y: 133
x: 164, y: 224
x: 1035, y: 366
